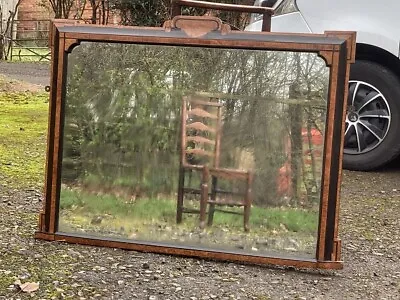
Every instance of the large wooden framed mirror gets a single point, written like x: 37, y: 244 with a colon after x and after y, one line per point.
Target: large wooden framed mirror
x: 196, y: 140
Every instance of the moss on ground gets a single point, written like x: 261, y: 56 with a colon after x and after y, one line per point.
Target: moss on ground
x: 23, y: 127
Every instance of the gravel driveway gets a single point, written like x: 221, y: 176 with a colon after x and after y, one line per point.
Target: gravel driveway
x: 371, y: 251
x: 36, y: 73
x: 369, y: 229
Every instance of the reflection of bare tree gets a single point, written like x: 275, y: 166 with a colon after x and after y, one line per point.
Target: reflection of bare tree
x: 61, y: 8
x: 304, y: 128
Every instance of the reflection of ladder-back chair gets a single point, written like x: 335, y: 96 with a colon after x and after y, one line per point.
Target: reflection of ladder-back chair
x: 201, y: 128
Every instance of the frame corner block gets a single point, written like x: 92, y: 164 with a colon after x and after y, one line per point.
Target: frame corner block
x: 351, y: 41
x: 327, y: 56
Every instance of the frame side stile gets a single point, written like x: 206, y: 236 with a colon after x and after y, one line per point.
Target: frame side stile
x: 332, y: 245
x: 337, y: 249
x: 333, y: 251
x: 57, y: 135
x: 351, y: 58
x: 44, y: 221
x: 333, y: 58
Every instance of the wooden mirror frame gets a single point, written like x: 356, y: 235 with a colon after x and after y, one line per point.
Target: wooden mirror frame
x: 336, y: 48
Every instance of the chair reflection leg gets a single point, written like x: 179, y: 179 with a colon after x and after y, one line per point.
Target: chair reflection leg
x: 181, y: 184
x: 246, y: 218
x: 204, y: 197
x: 211, y: 208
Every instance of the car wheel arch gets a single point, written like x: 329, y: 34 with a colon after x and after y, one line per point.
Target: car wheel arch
x: 379, y: 56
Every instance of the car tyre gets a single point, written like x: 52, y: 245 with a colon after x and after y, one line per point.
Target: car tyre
x: 373, y: 117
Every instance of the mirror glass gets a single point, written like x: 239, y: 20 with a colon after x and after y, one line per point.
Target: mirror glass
x: 151, y: 132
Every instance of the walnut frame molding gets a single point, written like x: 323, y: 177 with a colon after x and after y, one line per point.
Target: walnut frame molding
x: 336, y: 48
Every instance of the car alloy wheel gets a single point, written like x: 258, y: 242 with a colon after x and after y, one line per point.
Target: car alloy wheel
x: 368, y: 118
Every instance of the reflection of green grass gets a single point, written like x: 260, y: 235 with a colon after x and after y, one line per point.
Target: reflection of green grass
x: 163, y: 211
x: 295, y: 220
x: 23, y: 124
x: 143, y: 209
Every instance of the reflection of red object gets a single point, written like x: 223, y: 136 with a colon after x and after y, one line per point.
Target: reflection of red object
x: 316, y: 140
x: 284, y: 186
x: 316, y: 136
x: 284, y: 183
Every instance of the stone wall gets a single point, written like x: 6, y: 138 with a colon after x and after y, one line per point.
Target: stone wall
x: 32, y: 10
x: 32, y: 22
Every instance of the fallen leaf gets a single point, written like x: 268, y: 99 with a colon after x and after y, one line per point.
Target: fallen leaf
x: 29, y: 287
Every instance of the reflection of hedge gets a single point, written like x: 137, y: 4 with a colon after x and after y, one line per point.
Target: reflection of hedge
x: 123, y: 114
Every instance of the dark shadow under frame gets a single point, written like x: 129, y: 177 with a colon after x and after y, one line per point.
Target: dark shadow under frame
x: 336, y: 48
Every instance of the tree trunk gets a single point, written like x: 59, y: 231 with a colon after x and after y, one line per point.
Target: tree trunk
x: 94, y: 11
x: 296, y: 149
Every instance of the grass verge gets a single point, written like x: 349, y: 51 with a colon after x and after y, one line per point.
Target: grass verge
x: 23, y: 127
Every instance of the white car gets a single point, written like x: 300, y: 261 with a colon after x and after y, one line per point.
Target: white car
x: 373, y: 123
